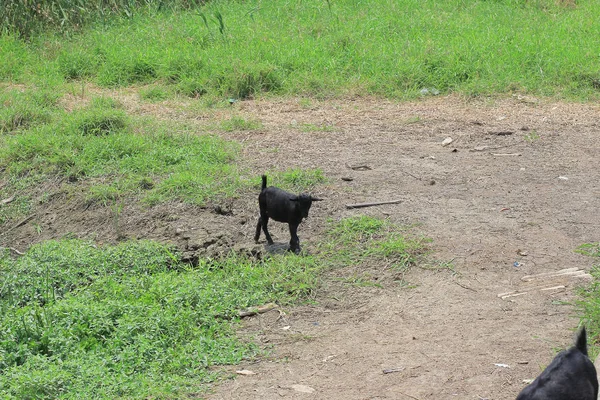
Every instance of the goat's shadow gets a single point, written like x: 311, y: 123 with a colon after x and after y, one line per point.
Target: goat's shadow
x: 279, y: 248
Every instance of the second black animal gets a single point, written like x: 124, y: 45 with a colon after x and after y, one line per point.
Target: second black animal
x: 570, y: 376
x: 284, y: 207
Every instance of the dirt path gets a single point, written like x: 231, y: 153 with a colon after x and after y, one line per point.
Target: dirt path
x: 518, y: 184
x: 521, y: 187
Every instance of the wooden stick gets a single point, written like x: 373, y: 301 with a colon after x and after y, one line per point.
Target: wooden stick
x: 375, y: 203
x: 391, y: 370
x: 257, y: 310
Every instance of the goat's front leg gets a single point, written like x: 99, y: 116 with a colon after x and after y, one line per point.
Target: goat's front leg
x: 294, y: 241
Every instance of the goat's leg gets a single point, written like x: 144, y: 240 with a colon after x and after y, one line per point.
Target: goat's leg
x: 258, y: 228
x: 265, y: 220
x: 294, y: 241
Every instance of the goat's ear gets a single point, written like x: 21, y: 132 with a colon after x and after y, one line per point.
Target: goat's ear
x: 293, y: 198
x: 315, y: 199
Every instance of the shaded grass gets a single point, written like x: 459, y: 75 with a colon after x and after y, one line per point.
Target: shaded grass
x: 132, y: 321
x: 321, y: 49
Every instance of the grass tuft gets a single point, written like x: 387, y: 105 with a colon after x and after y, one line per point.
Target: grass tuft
x: 296, y: 180
x: 100, y: 122
x: 356, y: 239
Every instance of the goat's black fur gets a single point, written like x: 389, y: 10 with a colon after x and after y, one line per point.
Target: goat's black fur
x: 284, y: 207
x: 570, y: 376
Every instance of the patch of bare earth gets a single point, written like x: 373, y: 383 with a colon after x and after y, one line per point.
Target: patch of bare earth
x: 513, y: 195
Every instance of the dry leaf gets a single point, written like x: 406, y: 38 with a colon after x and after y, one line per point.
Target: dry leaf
x: 303, y: 388
x: 245, y: 372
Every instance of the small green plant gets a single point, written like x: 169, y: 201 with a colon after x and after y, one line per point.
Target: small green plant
x: 589, y: 249
x: 240, y: 124
x: 411, y: 120
x: 531, y: 137
x: 316, y: 128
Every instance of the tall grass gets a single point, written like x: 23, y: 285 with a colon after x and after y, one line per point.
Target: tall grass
x: 313, y: 47
x: 29, y: 17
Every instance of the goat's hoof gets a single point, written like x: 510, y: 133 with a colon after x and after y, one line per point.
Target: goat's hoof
x: 295, y: 251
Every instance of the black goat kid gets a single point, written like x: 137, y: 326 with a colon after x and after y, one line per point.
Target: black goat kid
x: 284, y: 207
x: 570, y: 376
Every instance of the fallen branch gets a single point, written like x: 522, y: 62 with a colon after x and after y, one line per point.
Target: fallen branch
x: 408, y: 395
x: 391, y: 370
x: 359, y: 167
x: 257, y: 310
x: 375, y: 203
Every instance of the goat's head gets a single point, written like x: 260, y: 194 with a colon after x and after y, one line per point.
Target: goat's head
x: 304, y: 202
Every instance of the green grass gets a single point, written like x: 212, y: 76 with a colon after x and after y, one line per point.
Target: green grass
x: 131, y: 321
x: 589, y: 302
x: 236, y: 123
x: 116, y: 154
x: 296, y: 179
x: 390, y: 48
x: 356, y: 239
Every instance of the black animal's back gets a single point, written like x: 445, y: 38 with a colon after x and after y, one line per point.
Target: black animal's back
x: 570, y: 376
x: 279, y: 214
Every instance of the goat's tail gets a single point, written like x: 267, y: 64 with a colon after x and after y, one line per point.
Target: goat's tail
x: 264, y: 182
x: 581, y: 341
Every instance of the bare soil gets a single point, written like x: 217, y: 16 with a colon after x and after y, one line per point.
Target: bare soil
x: 514, y: 194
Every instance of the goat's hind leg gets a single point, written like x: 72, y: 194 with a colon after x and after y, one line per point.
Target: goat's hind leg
x: 264, y: 220
x: 258, y: 228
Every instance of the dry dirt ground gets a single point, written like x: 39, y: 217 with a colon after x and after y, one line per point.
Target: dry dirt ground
x: 513, y: 195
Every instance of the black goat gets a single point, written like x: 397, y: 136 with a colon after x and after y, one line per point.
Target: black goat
x: 570, y: 376
x: 282, y: 207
